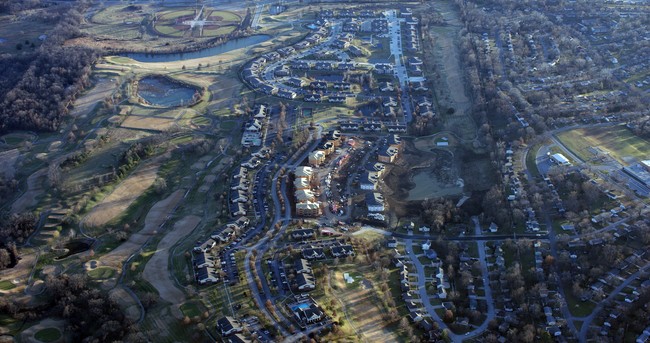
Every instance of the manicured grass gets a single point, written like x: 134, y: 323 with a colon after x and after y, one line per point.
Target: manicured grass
x: 6, y: 285
x: 225, y: 16
x: 218, y: 31
x: 618, y: 141
x: 48, y: 335
x: 191, y: 309
x: 101, y: 273
x: 531, y: 164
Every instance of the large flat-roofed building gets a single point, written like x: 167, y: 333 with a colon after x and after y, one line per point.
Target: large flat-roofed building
x: 560, y: 159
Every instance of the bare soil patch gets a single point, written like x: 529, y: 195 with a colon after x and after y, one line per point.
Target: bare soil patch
x: 156, y: 217
x: 124, y: 194
x: 157, y: 269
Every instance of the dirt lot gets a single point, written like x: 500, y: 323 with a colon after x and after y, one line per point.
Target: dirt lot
x: 157, y: 269
x: 124, y: 194
x: 156, y: 216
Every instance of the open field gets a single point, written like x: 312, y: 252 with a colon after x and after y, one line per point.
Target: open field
x: 23, y: 32
x: 619, y: 142
x: 362, y: 307
x: 124, y: 194
x: 157, y: 269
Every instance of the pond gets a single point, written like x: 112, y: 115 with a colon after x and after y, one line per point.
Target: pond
x: 216, y: 50
x: 162, y: 91
x: 427, y: 186
x: 76, y: 246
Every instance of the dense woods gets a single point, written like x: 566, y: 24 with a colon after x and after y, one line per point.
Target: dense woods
x: 38, y: 87
x: 42, y: 96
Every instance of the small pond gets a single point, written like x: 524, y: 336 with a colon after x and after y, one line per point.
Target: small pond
x: 76, y: 246
x: 230, y: 45
x: 161, y: 91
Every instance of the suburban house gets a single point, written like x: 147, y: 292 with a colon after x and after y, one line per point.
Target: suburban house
x: 296, y: 82
x: 202, y: 259
x: 286, y: 94
x: 304, y: 172
x: 386, y: 87
x: 206, y: 275
x: 301, y: 183
x: 302, y: 234
x: 308, y: 314
x: 336, y: 98
x: 391, y: 243
x: 305, y: 195
x: 389, y: 102
x: 228, y: 325
x: 313, y: 97
x: 387, y: 154
x: 342, y: 250
x: 316, y: 157
x: 313, y: 253
x: 308, y: 209
x: 305, y: 281
x: 303, y: 266
x: 206, y: 246
x: 373, y: 166
x: 375, y: 202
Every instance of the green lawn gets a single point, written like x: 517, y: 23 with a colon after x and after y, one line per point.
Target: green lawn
x: 225, y: 16
x: 191, y: 309
x: 48, y: 335
x: 6, y: 285
x: 618, y: 141
x: 101, y: 273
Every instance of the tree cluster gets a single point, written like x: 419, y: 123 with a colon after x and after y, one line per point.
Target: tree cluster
x: 38, y: 92
x: 92, y: 315
x: 14, y: 228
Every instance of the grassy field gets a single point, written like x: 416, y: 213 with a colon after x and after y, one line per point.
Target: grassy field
x: 101, y: 273
x: 224, y: 16
x: 6, y: 285
x: 48, y: 335
x: 23, y: 32
x: 618, y: 141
